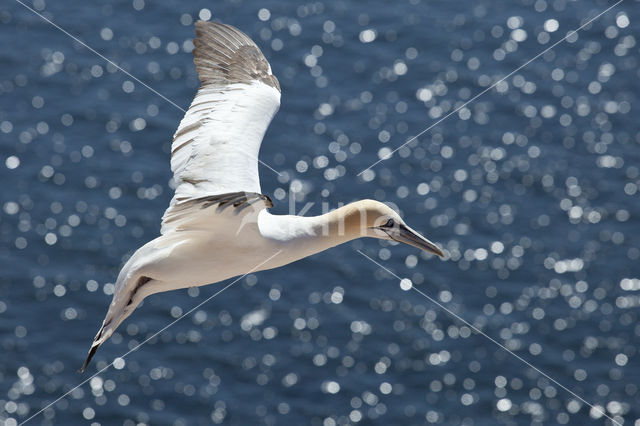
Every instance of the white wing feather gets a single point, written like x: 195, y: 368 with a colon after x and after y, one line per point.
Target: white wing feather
x: 215, y: 149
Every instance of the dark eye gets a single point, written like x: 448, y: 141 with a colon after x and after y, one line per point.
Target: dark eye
x: 389, y: 223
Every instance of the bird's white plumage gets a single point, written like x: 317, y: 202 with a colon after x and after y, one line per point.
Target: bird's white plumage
x: 217, y: 225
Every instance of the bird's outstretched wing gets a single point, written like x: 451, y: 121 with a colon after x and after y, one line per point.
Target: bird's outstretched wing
x: 215, y: 149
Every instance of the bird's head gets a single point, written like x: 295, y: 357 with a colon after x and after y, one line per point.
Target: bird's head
x: 370, y: 218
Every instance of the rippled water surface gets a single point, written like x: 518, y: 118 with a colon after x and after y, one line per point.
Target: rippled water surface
x: 532, y: 188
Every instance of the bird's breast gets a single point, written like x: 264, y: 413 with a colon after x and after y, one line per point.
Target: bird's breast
x: 200, y: 257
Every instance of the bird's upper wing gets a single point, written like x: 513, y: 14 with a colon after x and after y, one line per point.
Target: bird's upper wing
x: 215, y: 149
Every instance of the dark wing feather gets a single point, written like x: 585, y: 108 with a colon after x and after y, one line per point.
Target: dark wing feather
x: 224, y: 55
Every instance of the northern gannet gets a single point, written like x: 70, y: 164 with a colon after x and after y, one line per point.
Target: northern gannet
x: 217, y: 225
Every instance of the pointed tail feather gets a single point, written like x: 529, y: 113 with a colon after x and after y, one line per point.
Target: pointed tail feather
x: 100, y: 338
x: 126, y: 297
x: 94, y: 347
x: 92, y: 352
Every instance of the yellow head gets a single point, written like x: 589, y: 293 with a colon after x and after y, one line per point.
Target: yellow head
x: 370, y: 218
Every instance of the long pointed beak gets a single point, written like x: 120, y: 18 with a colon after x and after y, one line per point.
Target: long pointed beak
x: 406, y: 235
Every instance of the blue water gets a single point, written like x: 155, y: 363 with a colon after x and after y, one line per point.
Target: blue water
x: 532, y: 189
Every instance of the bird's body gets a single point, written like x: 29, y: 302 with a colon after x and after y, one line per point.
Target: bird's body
x: 217, y: 225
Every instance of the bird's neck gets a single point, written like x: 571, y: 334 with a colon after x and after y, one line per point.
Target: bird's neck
x: 303, y: 236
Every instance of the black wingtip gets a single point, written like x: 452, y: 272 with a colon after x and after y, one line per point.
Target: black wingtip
x: 92, y: 352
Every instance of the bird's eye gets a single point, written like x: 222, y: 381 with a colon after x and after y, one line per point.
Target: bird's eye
x: 389, y: 223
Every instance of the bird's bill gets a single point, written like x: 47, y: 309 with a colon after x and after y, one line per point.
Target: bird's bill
x: 406, y: 235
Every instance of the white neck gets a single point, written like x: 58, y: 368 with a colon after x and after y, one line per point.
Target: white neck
x: 300, y: 236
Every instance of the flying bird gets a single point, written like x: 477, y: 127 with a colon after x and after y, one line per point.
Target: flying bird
x: 217, y: 225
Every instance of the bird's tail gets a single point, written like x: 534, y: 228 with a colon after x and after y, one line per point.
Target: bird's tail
x: 104, y: 333
x: 131, y: 287
x: 128, y: 294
